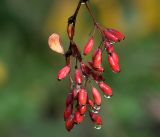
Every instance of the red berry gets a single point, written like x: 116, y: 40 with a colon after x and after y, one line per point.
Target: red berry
x: 115, y: 56
x: 82, y: 109
x: 97, y: 58
x: 82, y: 97
x: 75, y: 93
x: 90, y: 102
x: 69, y: 122
x: 95, y: 118
x: 99, y: 69
x: 110, y: 36
x: 113, y: 62
x: 105, y: 89
x: 109, y: 47
x: 78, y: 76
x: 96, y: 96
x: 118, y: 34
x: 113, y: 35
x: 98, y: 120
x: 63, y: 72
x: 78, y: 118
x: 68, y: 111
x: 69, y: 99
x: 88, y: 47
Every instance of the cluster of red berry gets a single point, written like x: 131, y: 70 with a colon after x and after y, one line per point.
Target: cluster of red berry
x: 78, y: 100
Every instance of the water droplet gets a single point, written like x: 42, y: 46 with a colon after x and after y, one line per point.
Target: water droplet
x: 97, y: 126
x: 82, y: 2
x: 112, y: 42
x: 107, y: 96
x: 97, y: 107
x: 94, y: 111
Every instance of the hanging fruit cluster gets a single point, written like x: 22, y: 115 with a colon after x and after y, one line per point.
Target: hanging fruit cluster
x: 78, y: 101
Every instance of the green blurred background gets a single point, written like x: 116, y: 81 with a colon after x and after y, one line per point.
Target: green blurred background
x: 32, y: 101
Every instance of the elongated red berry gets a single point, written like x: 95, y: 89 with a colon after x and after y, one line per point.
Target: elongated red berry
x: 63, y: 72
x: 96, y: 118
x: 82, y: 109
x: 97, y: 58
x: 105, y: 89
x: 115, y: 57
x: 69, y: 122
x: 82, y: 97
x: 68, y: 111
x: 90, y: 103
x: 70, y: 30
x: 78, y: 76
x: 118, y: 34
x: 99, y: 69
x: 78, y: 118
x: 110, y: 36
x: 69, y: 99
x: 85, y: 69
x: 109, y: 47
x: 113, y: 35
x: 113, y: 62
x: 96, y: 96
x: 88, y: 47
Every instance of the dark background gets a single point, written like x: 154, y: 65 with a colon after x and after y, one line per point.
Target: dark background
x: 32, y: 101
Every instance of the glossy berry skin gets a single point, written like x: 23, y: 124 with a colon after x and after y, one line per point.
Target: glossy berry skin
x: 78, y: 76
x: 113, y: 62
x: 115, y: 57
x: 63, y: 72
x: 78, y: 118
x: 96, y: 96
x: 82, y: 97
x: 109, y: 47
x: 97, y: 58
x: 99, y: 69
x: 82, y: 109
x: 110, y: 36
x: 69, y: 99
x: 113, y: 35
x: 88, y: 47
x: 96, y: 118
x: 90, y: 103
x: 118, y: 34
x: 105, y: 89
x: 68, y: 111
x: 69, y: 122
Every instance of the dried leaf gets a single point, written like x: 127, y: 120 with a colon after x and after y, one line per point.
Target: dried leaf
x: 54, y: 43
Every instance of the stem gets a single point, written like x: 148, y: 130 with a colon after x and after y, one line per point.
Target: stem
x: 91, y: 14
x: 71, y: 81
x: 85, y: 83
x: 73, y: 50
x: 94, y: 20
x: 72, y: 19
